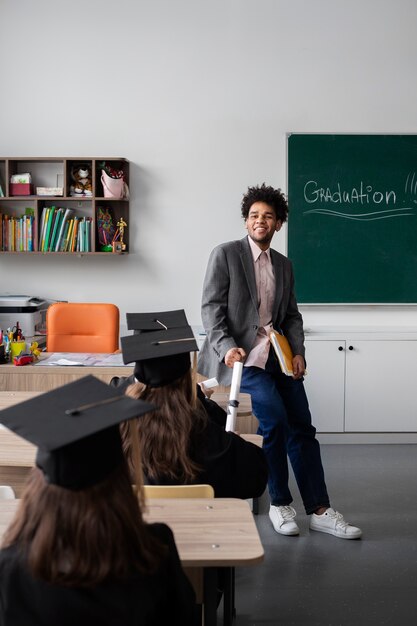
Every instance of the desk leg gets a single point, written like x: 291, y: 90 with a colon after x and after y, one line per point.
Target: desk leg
x: 229, y: 610
x: 210, y: 596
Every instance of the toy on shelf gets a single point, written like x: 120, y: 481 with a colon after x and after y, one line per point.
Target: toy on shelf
x: 81, y: 175
x: 117, y: 242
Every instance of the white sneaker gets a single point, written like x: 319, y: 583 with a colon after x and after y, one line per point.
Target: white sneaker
x: 282, y: 518
x: 333, y: 523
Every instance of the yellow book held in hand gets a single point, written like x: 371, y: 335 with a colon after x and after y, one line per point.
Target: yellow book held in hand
x: 283, y: 351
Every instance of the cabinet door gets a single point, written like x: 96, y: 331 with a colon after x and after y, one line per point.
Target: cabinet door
x: 381, y: 386
x: 325, y: 383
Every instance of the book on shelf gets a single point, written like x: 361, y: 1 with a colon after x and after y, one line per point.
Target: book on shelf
x: 67, y: 242
x: 62, y: 227
x: 74, y: 234
x: 78, y: 243
x: 29, y: 237
x: 283, y: 351
x: 44, y: 220
x: 79, y: 247
x: 3, y: 233
x: 49, y: 227
x: 12, y: 234
x: 57, y: 221
x: 88, y: 233
x: 64, y: 236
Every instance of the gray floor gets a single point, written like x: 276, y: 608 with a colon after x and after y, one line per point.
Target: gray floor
x: 319, y: 580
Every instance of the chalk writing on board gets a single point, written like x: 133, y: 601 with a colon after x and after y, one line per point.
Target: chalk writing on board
x: 362, y: 194
x: 352, y: 224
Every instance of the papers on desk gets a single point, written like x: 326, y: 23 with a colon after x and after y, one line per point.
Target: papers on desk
x: 87, y: 359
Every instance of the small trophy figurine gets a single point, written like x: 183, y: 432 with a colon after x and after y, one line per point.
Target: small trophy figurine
x: 117, y: 243
x: 121, y: 226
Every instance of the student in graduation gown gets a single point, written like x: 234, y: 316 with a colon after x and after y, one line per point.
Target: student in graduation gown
x: 78, y: 550
x: 179, y: 443
x: 149, y: 322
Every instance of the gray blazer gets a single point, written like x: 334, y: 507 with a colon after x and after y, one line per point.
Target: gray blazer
x: 230, y: 306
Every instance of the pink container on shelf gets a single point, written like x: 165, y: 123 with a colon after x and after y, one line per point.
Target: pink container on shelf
x: 112, y: 187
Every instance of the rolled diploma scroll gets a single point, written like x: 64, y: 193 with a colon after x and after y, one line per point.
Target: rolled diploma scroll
x: 234, y: 395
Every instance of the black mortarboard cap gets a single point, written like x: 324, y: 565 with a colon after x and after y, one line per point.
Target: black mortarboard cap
x: 76, y: 430
x: 160, y: 356
x: 158, y: 320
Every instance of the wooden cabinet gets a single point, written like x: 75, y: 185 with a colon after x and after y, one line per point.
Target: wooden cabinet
x: 22, y: 206
x: 362, y: 382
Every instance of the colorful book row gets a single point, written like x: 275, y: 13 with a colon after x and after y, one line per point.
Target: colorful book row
x: 16, y: 233
x: 62, y: 231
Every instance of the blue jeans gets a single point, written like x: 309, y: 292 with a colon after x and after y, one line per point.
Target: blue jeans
x: 280, y: 404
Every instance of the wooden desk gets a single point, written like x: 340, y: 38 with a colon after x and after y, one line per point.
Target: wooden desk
x: 15, y: 451
x: 17, y: 455
x: 45, y: 378
x: 209, y: 533
x: 8, y: 398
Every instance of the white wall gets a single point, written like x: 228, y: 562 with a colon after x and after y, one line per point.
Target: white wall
x: 199, y: 96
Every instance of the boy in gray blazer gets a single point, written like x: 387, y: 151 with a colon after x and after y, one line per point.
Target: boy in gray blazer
x: 248, y: 291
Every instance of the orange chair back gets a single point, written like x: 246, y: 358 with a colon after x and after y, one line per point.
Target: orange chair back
x: 82, y: 327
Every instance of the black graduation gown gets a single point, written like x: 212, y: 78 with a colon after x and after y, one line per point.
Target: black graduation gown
x: 164, y: 598
x: 234, y: 467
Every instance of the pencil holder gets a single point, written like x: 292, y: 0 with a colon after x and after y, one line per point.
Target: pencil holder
x: 16, y: 347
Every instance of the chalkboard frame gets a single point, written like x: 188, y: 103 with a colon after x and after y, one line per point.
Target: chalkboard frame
x: 381, y: 258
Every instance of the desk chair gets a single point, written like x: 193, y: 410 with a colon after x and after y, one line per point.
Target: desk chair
x: 6, y: 493
x: 178, y: 491
x: 82, y: 327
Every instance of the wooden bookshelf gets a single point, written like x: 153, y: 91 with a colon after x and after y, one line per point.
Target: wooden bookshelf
x: 24, y: 207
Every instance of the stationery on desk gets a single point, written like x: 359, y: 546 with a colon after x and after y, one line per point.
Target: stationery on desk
x: 91, y: 359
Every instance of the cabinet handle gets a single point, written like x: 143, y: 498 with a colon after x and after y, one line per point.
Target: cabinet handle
x: 340, y: 348
x: 351, y: 348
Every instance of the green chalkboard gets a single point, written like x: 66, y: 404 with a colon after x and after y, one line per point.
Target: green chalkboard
x: 352, y: 223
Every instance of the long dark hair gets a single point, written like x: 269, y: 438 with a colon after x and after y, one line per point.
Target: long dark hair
x: 166, y: 435
x: 83, y: 538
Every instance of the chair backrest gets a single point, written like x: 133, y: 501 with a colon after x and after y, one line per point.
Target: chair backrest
x: 6, y: 493
x: 179, y: 491
x: 82, y: 327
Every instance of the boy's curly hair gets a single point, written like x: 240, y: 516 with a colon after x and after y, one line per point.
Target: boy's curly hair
x: 274, y: 198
